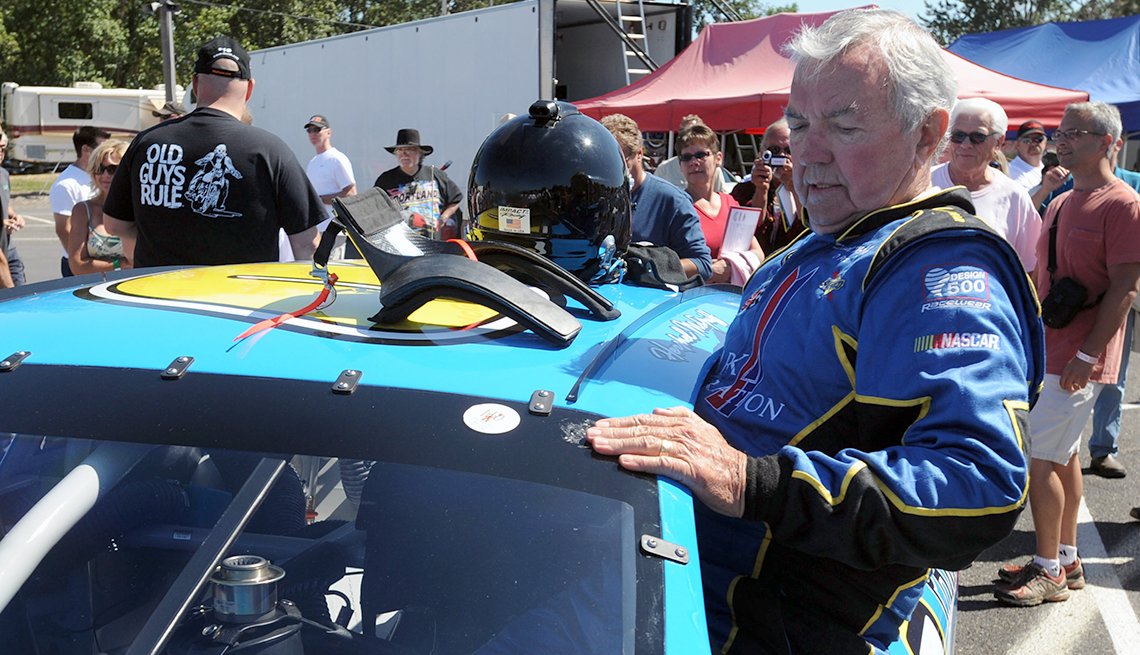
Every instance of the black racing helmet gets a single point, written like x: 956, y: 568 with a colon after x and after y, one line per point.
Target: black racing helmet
x: 555, y: 182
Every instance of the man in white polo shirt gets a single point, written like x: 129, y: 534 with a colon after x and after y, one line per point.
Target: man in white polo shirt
x: 329, y: 171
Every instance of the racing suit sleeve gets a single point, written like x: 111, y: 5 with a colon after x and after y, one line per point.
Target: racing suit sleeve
x: 932, y: 468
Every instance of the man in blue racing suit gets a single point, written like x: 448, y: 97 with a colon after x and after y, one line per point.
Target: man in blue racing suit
x: 866, y: 419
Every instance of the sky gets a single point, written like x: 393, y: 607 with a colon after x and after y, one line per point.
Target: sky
x: 911, y: 8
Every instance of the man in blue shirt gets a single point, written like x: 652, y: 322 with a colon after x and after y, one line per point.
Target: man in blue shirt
x: 1103, y: 443
x: 663, y: 215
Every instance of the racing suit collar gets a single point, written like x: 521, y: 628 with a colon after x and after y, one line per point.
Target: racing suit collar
x: 957, y: 196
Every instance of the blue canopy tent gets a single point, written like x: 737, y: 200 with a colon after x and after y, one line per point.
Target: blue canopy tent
x: 1101, y: 57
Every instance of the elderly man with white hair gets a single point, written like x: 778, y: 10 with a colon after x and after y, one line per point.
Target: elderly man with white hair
x: 865, y: 419
x: 977, y: 132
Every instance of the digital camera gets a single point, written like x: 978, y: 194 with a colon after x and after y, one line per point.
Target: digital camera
x: 773, y: 159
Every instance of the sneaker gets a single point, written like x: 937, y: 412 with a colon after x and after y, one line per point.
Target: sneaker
x: 1011, y: 574
x: 1035, y: 587
x: 1107, y: 467
x: 1135, y: 513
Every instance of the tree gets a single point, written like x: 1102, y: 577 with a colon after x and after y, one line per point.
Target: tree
x: 949, y: 19
x: 719, y: 11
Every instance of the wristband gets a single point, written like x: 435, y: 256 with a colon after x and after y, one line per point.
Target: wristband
x: 1086, y: 358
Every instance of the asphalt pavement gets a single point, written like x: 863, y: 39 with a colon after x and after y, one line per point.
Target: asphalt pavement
x: 1102, y: 618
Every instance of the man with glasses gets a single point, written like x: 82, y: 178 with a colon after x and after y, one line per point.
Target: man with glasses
x: 662, y: 214
x: 330, y: 173
x: 977, y: 131
x: 770, y: 186
x: 207, y: 188
x: 1104, y: 440
x: 1025, y: 169
x: 1094, y: 230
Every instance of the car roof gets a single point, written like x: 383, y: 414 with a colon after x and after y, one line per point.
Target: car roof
x: 649, y: 356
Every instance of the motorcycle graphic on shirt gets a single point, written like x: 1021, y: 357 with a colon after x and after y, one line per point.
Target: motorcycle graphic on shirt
x: 210, y: 186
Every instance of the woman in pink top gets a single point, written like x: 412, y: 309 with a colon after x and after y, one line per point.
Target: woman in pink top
x: 700, y: 156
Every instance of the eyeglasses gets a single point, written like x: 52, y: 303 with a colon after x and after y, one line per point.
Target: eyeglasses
x: 976, y: 138
x: 1069, y: 135
x: 107, y: 168
x: 313, y: 130
x: 688, y: 157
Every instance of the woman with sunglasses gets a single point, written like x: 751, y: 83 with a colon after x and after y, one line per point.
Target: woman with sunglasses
x: 90, y: 248
x: 977, y: 132
x: 700, y: 156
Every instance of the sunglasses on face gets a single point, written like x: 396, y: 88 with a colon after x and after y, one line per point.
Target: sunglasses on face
x: 688, y: 157
x: 313, y: 130
x: 976, y: 138
x: 108, y: 168
x: 1036, y: 138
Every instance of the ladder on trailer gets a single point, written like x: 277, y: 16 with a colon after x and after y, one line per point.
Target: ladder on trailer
x: 631, y: 18
x: 629, y: 25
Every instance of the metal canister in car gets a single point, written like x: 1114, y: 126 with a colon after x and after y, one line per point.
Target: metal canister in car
x: 245, y: 588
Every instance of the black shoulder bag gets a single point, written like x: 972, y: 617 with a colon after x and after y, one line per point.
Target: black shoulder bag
x: 1066, y: 297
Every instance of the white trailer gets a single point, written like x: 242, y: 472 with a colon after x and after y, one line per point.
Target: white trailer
x: 452, y: 77
x: 40, y: 120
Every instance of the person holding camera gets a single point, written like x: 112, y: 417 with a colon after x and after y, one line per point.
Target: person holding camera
x: 1091, y: 248
x: 770, y: 187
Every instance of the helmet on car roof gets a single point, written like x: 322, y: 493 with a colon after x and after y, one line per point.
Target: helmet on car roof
x: 555, y: 182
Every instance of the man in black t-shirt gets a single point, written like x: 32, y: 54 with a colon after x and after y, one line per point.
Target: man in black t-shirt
x: 208, y: 189
x: 430, y: 199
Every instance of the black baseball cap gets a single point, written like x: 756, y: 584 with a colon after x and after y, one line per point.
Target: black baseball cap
x: 318, y: 121
x: 221, y: 49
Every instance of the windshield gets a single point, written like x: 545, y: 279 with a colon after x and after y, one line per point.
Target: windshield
x: 124, y: 546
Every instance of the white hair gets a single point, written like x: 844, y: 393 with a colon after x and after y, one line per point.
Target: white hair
x: 983, y: 108
x: 919, y: 81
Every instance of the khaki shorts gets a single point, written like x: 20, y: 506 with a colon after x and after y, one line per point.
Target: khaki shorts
x: 1057, y: 419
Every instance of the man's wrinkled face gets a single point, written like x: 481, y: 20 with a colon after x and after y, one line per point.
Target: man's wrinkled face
x: 852, y: 156
x: 409, y: 157
x: 1031, y: 146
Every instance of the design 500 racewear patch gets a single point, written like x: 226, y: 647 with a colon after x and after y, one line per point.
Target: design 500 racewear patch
x: 949, y: 286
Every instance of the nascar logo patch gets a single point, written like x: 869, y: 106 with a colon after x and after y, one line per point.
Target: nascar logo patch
x: 971, y: 340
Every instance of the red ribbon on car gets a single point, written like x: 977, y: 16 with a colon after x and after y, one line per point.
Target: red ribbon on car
x: 278, y: 320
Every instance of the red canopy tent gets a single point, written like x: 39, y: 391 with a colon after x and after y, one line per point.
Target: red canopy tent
x: 736, y: 77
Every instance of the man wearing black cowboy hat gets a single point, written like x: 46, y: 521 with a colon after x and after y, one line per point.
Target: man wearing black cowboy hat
x: 207, y: 188
x: 425, y: 192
